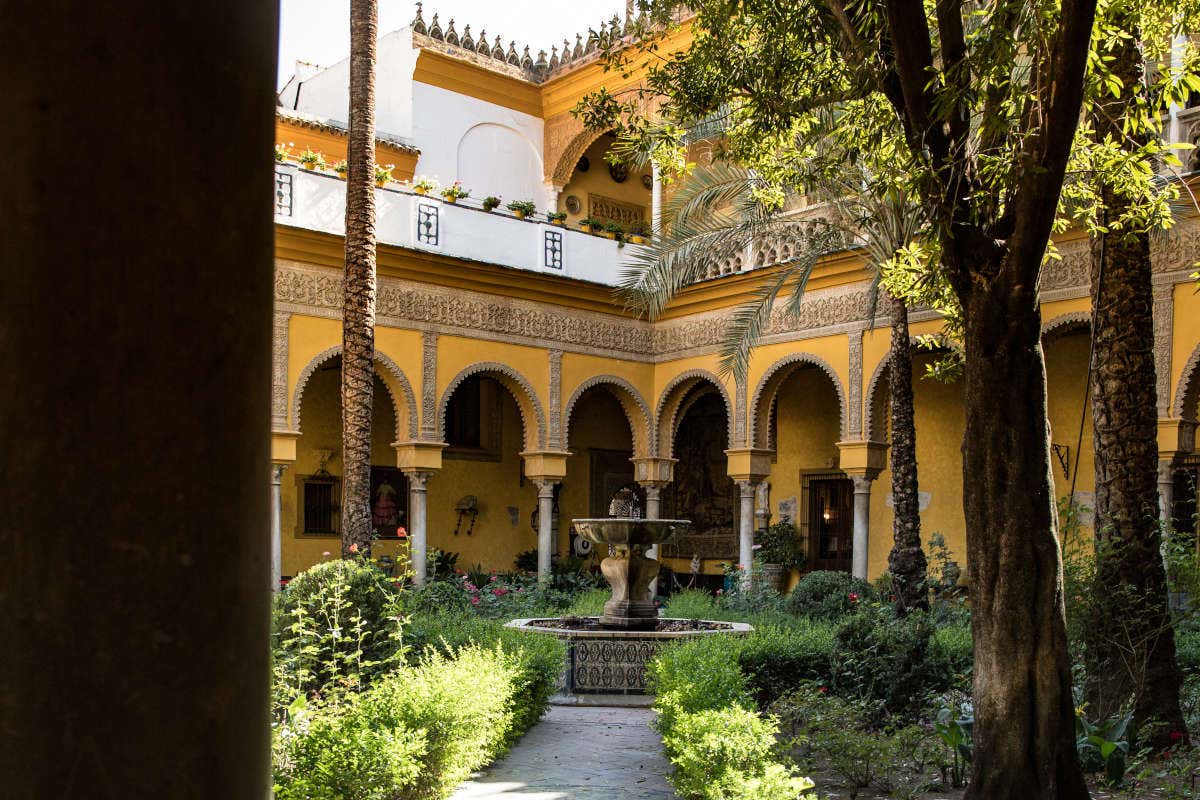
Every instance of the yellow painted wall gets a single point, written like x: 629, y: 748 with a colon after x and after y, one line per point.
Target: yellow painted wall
x: 597, y: 181
x: 939, y: 421
x: 1066, y: 379
x: 322, y: 429
x: 495, y: 540
x: 598, y: 422
x: 1187, y: 332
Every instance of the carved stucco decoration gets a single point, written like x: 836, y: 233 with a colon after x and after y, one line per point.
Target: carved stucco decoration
x: 1072, y: 269
x: 669, y: 408
x: 404, y: 407
x: 767, y: 390
x: 429, y: 344
x: 854, y: 384
x: 556, y: 418
x: 1066, y: 323
x: 1163, y: 324
x: 1177, y: 249
x: 533, y: 417
x: 1184, y: 405
x: 565, y: 141
x: 279, y: 365
x: 637, y: 411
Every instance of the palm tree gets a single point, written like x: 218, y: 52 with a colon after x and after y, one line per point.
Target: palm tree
x: 358, y: 290
x: 1129, y: 641
x: 717, y: 214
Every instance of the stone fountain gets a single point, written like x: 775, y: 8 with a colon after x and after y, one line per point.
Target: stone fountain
x: 607, y: 655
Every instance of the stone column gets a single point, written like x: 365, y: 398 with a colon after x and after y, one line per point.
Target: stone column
x: 653, y: 511
x: 418, y: 543
x: 135, y: 606
x: 276, y: 524
x: 545, y: 545
x: 746, y: 528
x: 862, y: 524
x: 1166, y: 491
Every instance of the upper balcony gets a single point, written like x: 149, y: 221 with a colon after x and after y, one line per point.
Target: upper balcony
x: 317, y: 201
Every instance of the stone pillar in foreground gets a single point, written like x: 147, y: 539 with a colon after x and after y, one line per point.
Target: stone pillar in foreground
x: 862, y: 525
x: 419, y: 461
x: 276, y: 524
x: 135, y: 345
x: 546, y: 469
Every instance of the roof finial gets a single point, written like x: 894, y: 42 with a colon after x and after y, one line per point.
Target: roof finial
x: 553, y: 57
x: 451, y: 34
x: 435, y: 30
x: 512, y: 57
x: 483, y: 48
x: 418, y: 24
x: 578, y: 51
x: 498, y: 50
x: 467, y: 42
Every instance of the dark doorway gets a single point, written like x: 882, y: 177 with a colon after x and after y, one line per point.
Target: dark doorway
x: 830, y: 523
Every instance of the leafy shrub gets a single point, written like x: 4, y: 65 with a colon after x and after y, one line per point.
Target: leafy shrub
x: 777, y: 659
x: 691, y: 604
x: 589, y: 603
x: 826, y: 594
x: 957, y: 647
x: 341, y: 752
x: 696, y: 675
x: 539, y: 659
x: 823, y: 729
x: 335, y: 626
x: 887, y: 662
x: 777, y: 545
x: 437, y: 597
x: 435, y: 723
x: 759, y: 597
x: 728, y: 754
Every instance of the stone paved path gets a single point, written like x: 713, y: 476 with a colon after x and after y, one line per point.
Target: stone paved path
x: 579, y: 753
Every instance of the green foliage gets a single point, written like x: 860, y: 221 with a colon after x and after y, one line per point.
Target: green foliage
x: 826, y: 594
x: 778, y: 659
x: 335, y: 626
x: 1103, y: 746
x: 415, y: 733
x: 826, y: 730
x: 690, y: 604
x: 490, y: 203
x: 556, y: 216
x: 777, y: 545
x: 728, y: 754
x: 956, y: 730
x: 699, y: 674
x: 441, y: 564
x: 757, y: 598
x: 343, y: 753
x: 890, y: 664
x: 525, y: 207
x: 589, y: 603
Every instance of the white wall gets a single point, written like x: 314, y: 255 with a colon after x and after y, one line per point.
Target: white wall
x: 326, y: 94
x: 490, y: 148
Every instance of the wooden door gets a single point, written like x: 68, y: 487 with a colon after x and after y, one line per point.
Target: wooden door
x: 830, y: 523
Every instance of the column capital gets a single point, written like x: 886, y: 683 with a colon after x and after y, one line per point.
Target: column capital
x: 419, y: 456
x: 418, y: 478
x: 750, y: 464
x: 653, y: 471
x: 545, y: 465
x: 747, y: 488
x: 864, y: 457
x: 545, y: 486
x: 1175, y: 436
x: 862, y: 483
x: 277, y: 469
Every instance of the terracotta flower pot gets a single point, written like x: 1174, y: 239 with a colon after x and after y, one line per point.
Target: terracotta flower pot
x: 520, y: 214
x: 585, y: 228
x: 450, y: 199
x: 420, y: 190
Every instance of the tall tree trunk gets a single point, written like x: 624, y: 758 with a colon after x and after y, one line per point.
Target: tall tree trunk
x: 1130, y: 643
x: 906, y: 562
x: 1024, y: 714
x: 358, y: 301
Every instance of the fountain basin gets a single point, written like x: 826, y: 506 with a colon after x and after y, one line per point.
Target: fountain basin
x: 605, y: 661
x: 628, y: 571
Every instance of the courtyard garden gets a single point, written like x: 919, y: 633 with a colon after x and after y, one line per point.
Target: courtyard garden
x: 386, y: 690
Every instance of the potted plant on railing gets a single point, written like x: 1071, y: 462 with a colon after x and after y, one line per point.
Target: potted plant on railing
x: 491, y: 203
x: 454, y: 192
x: 638, y: 233
x: 556, y: 217
x: 340, y: 169
x: 283, y: 152
x: 383, y: 175
x: 613, y: 230
x: 591, y: 225
x: 522, y: 208
x: 312, y: 160
x: 776, y: 547
x: 424, y: 185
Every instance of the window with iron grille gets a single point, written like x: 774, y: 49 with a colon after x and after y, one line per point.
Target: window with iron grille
x: 554, y: 249
x: 427, y: 223
x: 283, y: 193
x: 319, y: 494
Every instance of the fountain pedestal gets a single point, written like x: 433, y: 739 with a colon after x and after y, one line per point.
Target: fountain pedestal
x: 628, y: 570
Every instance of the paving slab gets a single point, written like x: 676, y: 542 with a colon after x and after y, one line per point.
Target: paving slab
x: 579, y: 753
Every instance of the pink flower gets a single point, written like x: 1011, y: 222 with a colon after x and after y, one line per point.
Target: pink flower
x: 500, y: 592
x: 326, y: 553
x: 720, y: 591
x: 354, y: 547
x: 1176, y: 736
x: 823, y: 689
x: 491, y: 579
x: 401, y: 532
x: 474, y: 601
x: 471, y: 587
x: 853, y: 597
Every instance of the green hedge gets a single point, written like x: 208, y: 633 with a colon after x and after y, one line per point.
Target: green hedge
x: 417, y: 732
x: 721, y: 748
x: 777, y: 659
